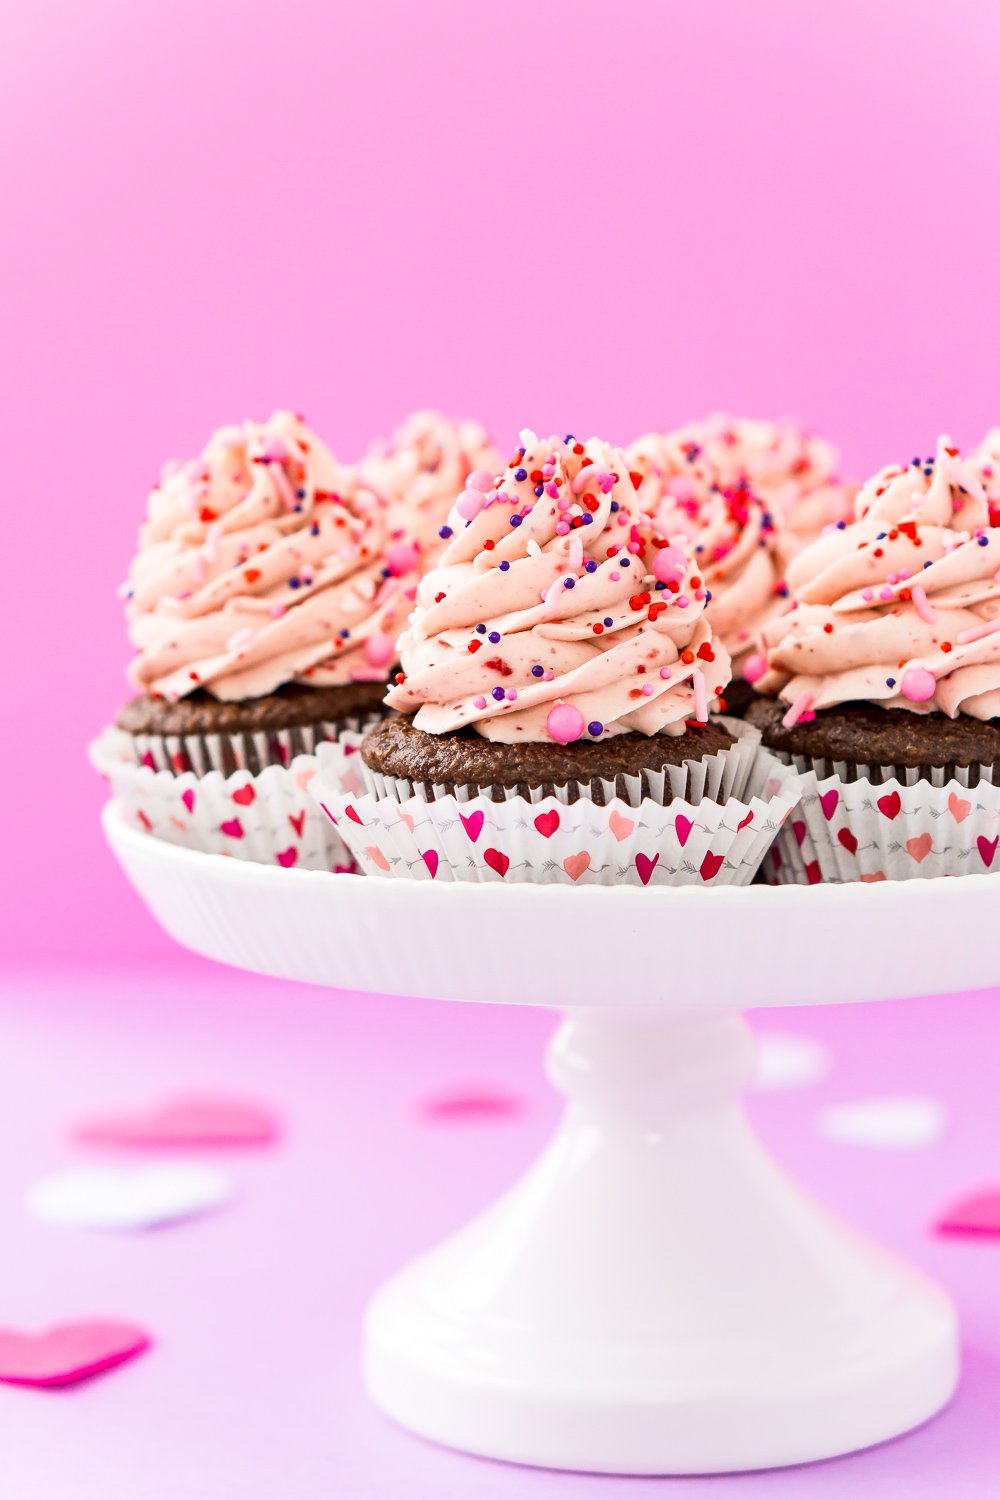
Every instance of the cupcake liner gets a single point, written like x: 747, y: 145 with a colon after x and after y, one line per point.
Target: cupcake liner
x: 877, y: 826
x: 249, y: 751
x: 555, y: 838
x: 269, y: 818
x: 721, y: 776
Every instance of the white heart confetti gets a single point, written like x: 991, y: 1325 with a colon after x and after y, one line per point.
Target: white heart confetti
x: 892, y: 1123
x: 128, y: 1197
x: 786, y: 1061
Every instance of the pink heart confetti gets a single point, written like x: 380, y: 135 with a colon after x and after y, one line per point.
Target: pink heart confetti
x: 68, y: 1352
x: 978, y: 1213
x: 547, y: 823
x: 576, y: 865
x: 472, y: 1105
x: 195, y: 1120
x: 828, y: 802
x: 473, y: 824
x: 682, y: 828
x: 620, y: 826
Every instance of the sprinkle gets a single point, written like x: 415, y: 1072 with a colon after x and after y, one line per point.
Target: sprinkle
x: 511, y: 694
x: 682, y: 601
x: 480, y: 479
x: 926, y: 611
x: 469, y: 503
x: 499, y: 694
x: 669, y: 564
x: 379, y: 649
x: 494, y: 637
x: 595, y: 727
x: 608, y: 621
x: 918, y: 685
x: 665, y: 673
x: 479, y: 702
x: 504, y: 566
x: 537, y: 671
x: 977, y: 632
x: 885, y: 594
x: 564, y: 723
x: 700, y: 695
x: 516, y: 520
x: 798, y: 710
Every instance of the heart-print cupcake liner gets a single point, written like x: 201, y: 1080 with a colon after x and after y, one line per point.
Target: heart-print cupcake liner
x: 719, y: 777
x: 880, y: 827
x: 269, y: 817
x: 227, y: 753
x: 553, y: 838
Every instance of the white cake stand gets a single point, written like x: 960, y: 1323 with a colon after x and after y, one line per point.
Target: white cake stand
x: 654, y: 1296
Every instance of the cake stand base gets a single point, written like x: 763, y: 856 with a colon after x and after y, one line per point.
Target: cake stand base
x: 655, y: 1296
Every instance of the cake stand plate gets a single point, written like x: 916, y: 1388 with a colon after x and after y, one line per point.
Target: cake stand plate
x: 654, y: 1296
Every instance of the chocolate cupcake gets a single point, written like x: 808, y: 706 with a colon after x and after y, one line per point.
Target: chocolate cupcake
x: 886, y: 674
x: 561, y: 653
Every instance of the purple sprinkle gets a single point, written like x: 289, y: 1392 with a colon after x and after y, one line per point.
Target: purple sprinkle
x: 538, y: 671
x: 595, y: 728
x: 499, y: 693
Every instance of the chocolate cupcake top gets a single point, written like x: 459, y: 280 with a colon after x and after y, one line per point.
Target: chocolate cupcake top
x: 554, y: 614
x: 420, y: 470
x: 263, y: 562
x: 900, y: 608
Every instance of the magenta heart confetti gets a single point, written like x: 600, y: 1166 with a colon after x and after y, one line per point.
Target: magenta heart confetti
x: 976, y: 1214
x: 68, y: 1352
x: 194, y: 1121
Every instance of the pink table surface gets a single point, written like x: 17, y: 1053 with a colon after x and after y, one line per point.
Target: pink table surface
x: 253, y: 1391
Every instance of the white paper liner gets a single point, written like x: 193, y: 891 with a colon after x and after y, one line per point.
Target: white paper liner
x: 552, y: 838
x: 876, y: 826
x: 226, y: 753
x: 720, y: 776
x: 269, y: 817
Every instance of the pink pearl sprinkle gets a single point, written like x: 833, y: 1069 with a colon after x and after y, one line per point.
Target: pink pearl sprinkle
x: 615, y: 576
x: 665, y: 673
x: 669, y: 564
x: 511, y: 694
x: 918, y: 685
x: 470, y: 503
x: 682, y: 601
x: 402, y: 557
x: 276, y: 611
x: 886, y: 594
x: 564, y: 723
x: 379, y: 649
x: 480, y: 479
x: 755, y: 666
x: 562, y: 528
x: 479, y: 702
x: 647, y: 690
x: 868, y: 595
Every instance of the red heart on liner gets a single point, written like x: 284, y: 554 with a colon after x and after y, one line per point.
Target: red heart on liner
x: 232, y: 827
x: 813, y: 873
x: 244, y: 795
x: 799, y: 830
x: 979, y: 1213
x: 68, y: 1352
x: 354, y: 815
x: 987, y: 849
x: 682, y: 828
x: 711, y: 865
x: 287, y: 857
x: 828, y: 802
x: 496, y: 859
x: 889, y: 805
x: 847, y: 839
x: 646, y: 866
x: 547, y: 823
x: 473, y: 824
x: 431, y: 859
x: 298, y: 822
x: 193, y: 1121
x: 744, y: 821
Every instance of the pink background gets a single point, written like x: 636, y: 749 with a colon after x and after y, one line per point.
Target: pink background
x: 587, y: 216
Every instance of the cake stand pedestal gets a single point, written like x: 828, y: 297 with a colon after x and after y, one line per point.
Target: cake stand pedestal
x: 655, y: 1296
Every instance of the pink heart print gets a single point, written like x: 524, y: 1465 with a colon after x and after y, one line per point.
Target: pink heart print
x: 987, y: 849
x: 405, y: 817
x: 431, y: 859
x: 575, y: 865
x: 287, y: 857
x: 620, y: 826
x: 232, y: 828
x: 890, y: 805
x: 194, y: 1120
x: 711, y: 865
x: 682, y: 828
x: 920, y: 846
x: 828, y: 802
x: 187, y: 797
x: 146, y: 822
x: 377, y: 858
x: 495, y: 858
x: 244, y: 795
x: 646, y: 865
x: 303, y: 778
x: 958, y: 807
x: 68, y: 1352
x: 473, y: 824
x: 547, y: 823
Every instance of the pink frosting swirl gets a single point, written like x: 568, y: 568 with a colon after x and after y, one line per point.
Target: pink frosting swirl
x: 901, y: 608
x: 421, y: 469
x: 263, y: 562
x: 554, y: 614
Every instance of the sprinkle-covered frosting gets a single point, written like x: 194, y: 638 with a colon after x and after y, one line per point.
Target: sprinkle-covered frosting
x: 902, y: 607
x: 420, y: 470
x: 554, y: 613
x: 264, y: 562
